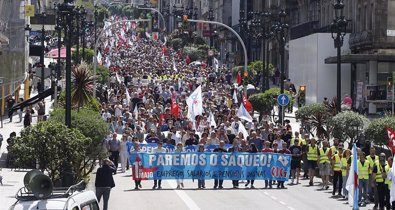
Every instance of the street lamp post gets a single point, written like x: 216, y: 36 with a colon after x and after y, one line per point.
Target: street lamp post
x: 95, y: 13
x: 211, y: 18
x: 83, y: 25
x: 77, y: 36
x: 280, y: 29
x: 338, y: 31
x: 42, y: 86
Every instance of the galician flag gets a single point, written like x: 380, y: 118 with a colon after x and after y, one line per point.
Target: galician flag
x: 243, y: 114
x: 243, y: 130
x: 352, y: 180
x: 195, y: 103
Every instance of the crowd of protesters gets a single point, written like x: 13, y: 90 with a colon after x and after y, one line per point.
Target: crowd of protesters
x: 145, y: 102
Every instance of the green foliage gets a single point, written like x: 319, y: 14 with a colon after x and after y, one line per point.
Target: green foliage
x: 265, y: 102
x: 88, y: 58
x: 92, y: 126
x: 348, y: 125
x: 81, y: 91
x: 376, y: 131
x: 200, y: 41
x: 93, y: 104
x: 176, y: 43
x: 140, y: 30
x: 102, y: 13
x: 194, y: 53
x: 315, y: 117
x: 103, y: 74
x: 51, y: 144
x: 129, y: 11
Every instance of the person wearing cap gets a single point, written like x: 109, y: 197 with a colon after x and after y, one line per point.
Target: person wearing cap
x: 159, y: 149
x: 104, y: 181
x: 296, y: 152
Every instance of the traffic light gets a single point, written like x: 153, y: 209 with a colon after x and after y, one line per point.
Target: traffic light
x: 302, y: 96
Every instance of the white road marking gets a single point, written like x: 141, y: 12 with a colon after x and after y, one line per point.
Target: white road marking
x: 283, y: 203
x: 274, y: 198
x: 291, y: 208
x: 184, y: 197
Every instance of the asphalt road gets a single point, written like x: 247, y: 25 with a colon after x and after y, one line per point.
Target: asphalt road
x: 295, y: 197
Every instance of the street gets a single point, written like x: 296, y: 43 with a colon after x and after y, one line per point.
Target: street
x: 294, y: 197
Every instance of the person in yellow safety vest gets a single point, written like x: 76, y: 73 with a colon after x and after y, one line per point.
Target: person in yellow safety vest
x: 345, y: 169
x: 312, y: 157
x: 337, y: 171
x: 372, y: 191
x: 363, y: 176
x: 335, y: 146
x: 324, y: 164
x: 301, y: 141
x: 379, y: 174
x: 388, y: 183
x: 389, y: 178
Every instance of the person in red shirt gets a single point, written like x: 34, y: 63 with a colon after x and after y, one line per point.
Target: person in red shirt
x: 284, y: 150
x: 267, y: 149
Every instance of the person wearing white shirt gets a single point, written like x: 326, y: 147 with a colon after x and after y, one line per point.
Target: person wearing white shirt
x: 123, y: 153
x: 159, y: 149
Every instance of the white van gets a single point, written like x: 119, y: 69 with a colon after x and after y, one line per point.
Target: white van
x: 39, y: 194
x: 79, y: 200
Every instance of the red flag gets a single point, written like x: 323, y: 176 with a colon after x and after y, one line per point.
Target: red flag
x: 175, y: 109
x: 391, y: 139
x: 247, y: 104
x: 188, y: 60
x: 238, y: 78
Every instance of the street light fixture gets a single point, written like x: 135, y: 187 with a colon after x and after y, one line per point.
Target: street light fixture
x: 338, y: 31
x: 280, y: 29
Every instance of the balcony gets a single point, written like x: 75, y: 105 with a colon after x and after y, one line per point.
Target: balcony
x: 361, y: 40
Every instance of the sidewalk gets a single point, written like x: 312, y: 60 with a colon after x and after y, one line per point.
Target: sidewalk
x: 13, y: 178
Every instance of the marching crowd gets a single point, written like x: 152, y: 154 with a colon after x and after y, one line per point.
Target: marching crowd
x: 145, y: 101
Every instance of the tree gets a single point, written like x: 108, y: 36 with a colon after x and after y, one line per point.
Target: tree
x: 103, y: 74
x: 92, y: 126
x: 176, y: 44
x: 88, y: 58
x: 348, y: 125
x: 315, y: 118
x: 102, y: 13
x: 376, y: 131
x: 265, y: 102
x: 83, y: 85
x: 50, y: 143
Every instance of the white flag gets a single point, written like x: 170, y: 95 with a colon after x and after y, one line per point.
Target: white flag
x: 127, y: 96
x: 99, y: 58
x: 242, y: 113
x: 117, y: 77
x: 195, y: 103
x: 148, y: 35
x: 392, y: 175
x: 136, y: 113
x: 243, y: 130
x: 216, y: 64
x: 212, y: 120
x: 235, y: 97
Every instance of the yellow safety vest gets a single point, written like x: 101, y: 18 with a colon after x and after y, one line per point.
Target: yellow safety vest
x: 324, y: 155
x: 312, y: 153
x: 344, y: 166
x: 379, y: 177
x: 336, y: 166
x: 301, y: 141
x: 334, y: 150
x: 371, y: 162
x: 387, y: 182
x: 363, y: 170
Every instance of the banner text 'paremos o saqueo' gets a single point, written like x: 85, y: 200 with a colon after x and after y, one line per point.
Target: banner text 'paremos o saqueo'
x: 149, y: 147
x: 207, y: 165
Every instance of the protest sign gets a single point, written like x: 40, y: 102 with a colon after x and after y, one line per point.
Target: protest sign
x: 207, y: 165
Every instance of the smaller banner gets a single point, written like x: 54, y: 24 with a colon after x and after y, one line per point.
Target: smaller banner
x: 208, y: 165
x: 149, y: 148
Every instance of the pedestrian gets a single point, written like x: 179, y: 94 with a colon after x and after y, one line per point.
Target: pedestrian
x: 180, y: 180
x: 1, y: 140
x: 284, y: 150
x: 27, y: 120
x: 136, y: 174
x: 337, y: 171
x: 345, y: 166
x: 379, y: 174
x: 104, y: 181
x: 267, y: 149
x: 312, y: 158
x: 10, y: 104
x: 158, y: 181
x: 201, y: 181
x: 123, y: 154
x: 234, y: 150
x: 296, y: 152
x: 324, y: 164
x: 218, y: 182
x: 114, y: 146
x: 363, y: 176
x: 253, y: 149
x: 20, y: 111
